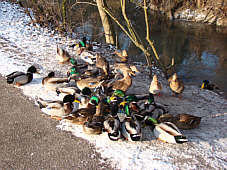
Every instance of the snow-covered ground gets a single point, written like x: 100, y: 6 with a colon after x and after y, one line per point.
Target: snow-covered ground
x: 22, y: 45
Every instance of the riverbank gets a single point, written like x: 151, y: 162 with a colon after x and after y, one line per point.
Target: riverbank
x: 23, y: 45
x: 210, y: 12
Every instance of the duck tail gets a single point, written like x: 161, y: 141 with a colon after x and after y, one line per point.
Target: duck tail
x: 40, y: 105
x: 10, y: 80
x: 136, y: 137
x: 180, y: 139
x: 114, y: 136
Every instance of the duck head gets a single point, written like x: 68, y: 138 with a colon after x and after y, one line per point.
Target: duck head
x: 86, y: 91
x: 94, y: 100
x: 32, y: 69
x: 51, y: 74
x: 69, y: 98
x: 205, y: 84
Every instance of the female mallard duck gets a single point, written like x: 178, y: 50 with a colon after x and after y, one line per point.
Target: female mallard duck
x: 169, y: 133
x: 121, y: 56
x: 131, y: 129
x: 209, y: 86
x: 175, y: 84
x: 182, y: 121
x: 122, y: 67
x: 64, y: 57
x: 82, y: 115
x: 102, y: 64
x: 123, y: 84
x: 112, y: 126
x: 57, y: 109
x: 52, y: 83
x: 155, y: 86
x: 94, y: 126
x: 19, y: 78
x: 91, y: 82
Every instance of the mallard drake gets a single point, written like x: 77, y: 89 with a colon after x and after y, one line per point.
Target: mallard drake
x: 19, y: 78
x: 121, y: 56
x: 155, y: 86
x: 82, y: 45
x: 175, y: 84
x: 82, y: 115
x: 64, y: 57
x: 52, y: 83
x: 102, y: 64
x: 57, y: 109
x: 169, y: 133
x: 94, y: 126
x: 131, y: 129
x: 112, y: 126
x: 209, y: 86
x: 182, y: 121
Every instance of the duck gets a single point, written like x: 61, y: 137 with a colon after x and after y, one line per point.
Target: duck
x: 123, y: 84
x: 91, y: 82
x: 94, y: 126
x: 88, y: 57
x: 73, y: 73
x: 51, y: 82
x: 209, y: 86
x: 82, y: 115
x: 112, y: 127
x: 121, y: 56
x: 102, y: 64
x: 155, y: 86
x: 19, y: 78
x: 175, y: 84
x: 182, y: 121
x: 131, y: 129
x: 123, y: 67
x: 64, y: 57
x: 82, y: 45
x: 168, y: 132
x: 57, y: 108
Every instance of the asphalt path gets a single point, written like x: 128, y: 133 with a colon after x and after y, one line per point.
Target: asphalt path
x: 30, y: 140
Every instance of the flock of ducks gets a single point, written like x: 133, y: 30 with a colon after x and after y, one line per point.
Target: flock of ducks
x: 95, y: 97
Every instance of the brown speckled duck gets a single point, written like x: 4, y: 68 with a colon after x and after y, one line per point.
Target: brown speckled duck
x: 94, y: 126
x: 182, y: 121
x: 155, y: 86
x: 121, y: 56
x: 102, y: 64
x: 64, y: 57
x: 175, y: 84
x: 82, y: 115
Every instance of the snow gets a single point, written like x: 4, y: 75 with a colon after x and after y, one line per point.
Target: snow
x: 22, y: 45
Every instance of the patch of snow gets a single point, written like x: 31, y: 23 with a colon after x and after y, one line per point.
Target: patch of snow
x: 22, y: 45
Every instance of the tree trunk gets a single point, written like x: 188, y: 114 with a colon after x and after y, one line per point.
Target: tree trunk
x: 105, y: 22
